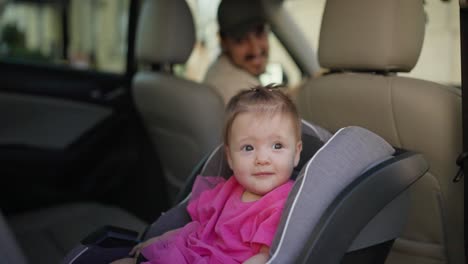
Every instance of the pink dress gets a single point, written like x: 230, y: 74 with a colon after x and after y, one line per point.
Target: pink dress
x: 223, y: 229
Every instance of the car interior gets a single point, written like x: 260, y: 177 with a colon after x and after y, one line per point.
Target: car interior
x: 358, y: 164
x: 363, y: 89
x: 83, y: 147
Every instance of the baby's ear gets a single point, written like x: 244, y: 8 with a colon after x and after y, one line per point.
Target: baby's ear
x: 298, y: 153
x: 228, y: 155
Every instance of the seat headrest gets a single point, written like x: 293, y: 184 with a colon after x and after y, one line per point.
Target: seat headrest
x: 165, y: 33
x: 371, y: 35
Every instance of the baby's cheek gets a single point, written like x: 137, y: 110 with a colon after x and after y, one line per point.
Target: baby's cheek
x: 240, y: 174
x: 239, y: 167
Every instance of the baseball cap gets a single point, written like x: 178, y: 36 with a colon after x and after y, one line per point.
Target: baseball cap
x: 237, y: 17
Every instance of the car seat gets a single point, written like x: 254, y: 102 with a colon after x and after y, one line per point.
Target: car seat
x: 364, y: 44
x: 348, y: 196
x: 183, y: 118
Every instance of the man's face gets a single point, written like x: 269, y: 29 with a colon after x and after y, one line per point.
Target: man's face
x: 249, y: 52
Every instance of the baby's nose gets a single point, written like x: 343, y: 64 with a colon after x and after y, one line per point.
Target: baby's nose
x: 262, y: 158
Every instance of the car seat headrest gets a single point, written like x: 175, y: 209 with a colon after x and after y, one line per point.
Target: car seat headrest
x: 165, y: 33
x: 347, y: 155
x: 371, y: 35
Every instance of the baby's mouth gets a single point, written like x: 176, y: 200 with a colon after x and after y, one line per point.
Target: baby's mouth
x: 263, y: 173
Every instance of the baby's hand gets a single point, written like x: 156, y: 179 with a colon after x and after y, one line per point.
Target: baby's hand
x: 137, y: 249
x: 260, y: 258
x: 124, y: 261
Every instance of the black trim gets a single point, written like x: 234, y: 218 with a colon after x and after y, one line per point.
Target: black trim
x: 131, y: 38
x: 64, y: 11
x: 464, y: 87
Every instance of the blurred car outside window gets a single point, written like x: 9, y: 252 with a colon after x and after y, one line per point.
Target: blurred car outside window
x: 82, y: 34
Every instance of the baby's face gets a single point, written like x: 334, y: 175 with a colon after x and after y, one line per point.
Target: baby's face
x: 263, y: 150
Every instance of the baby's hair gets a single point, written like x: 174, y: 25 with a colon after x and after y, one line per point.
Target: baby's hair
x: 261, y: 99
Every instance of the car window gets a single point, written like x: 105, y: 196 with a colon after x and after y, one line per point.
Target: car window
x: 83, y: 34
x: 440, y: 57
x: 280, y: 69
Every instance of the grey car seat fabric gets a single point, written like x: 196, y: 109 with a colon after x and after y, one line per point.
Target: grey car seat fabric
x: 336, y: 164
x: 183, y: 118
x: 363, y: 89
x: 344, y: 157
x: 46, y: 236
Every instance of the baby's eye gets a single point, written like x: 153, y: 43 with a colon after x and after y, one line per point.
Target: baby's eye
x: 278, y: 146
x: 247, y: 148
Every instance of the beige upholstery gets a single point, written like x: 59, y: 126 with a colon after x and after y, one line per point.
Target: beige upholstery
x: 165, y: 33
x: 364, y: 35
x: 412, y: 114
x: 183, y: 118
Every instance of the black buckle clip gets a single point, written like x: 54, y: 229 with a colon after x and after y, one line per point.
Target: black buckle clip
x: 460, y: 161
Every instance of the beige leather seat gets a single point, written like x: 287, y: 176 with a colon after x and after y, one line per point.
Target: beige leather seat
x: 365, y: 43
x: 184, y: 118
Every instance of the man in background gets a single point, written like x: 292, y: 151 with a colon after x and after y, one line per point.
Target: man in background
x: 243, y: 33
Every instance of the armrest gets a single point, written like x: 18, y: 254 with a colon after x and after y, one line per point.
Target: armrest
x: 111, y: 237
x: 103, y: 246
